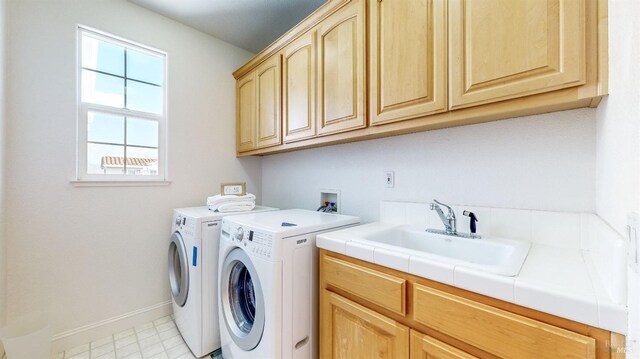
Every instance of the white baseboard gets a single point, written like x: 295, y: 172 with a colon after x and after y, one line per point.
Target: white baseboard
x: 85, y: 334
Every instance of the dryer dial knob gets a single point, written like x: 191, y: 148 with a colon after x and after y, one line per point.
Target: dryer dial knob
x: 239, y: 234
x: 178, y: 220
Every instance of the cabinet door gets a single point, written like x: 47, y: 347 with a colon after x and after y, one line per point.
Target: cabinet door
x: 408, y: 59
x: 268, y: 98
x: 349, y: 330
x: 246, y: 113
x: 298, y: 88
x: 341, y: 70
x: 502, y: 49
x: 425, y: 347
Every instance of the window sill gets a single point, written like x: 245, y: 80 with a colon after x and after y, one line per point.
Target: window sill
x: 119, y: 183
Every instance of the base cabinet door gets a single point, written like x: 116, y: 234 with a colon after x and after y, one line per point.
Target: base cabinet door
x: 408, y: 53
x: 501, y: 49
x: 349, y: 330
x: 341, y: 70
x: 423, y: 346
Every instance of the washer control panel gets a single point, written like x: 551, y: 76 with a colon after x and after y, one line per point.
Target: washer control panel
x: 261, y: 244
x: 254, y: 242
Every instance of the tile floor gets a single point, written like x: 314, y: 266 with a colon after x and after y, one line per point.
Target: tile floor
x: 159, y: 339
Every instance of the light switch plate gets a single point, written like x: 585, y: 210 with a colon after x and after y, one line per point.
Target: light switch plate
x: 389, y: 181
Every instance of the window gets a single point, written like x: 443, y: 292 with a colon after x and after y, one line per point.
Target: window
x: 122, y: 117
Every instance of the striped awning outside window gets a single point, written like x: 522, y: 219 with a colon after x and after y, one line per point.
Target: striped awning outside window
x: 114, y: 161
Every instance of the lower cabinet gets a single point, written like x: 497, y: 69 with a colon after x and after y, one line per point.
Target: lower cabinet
x: 369, y: 311
x: 353, y: 331
x: 356, y: 331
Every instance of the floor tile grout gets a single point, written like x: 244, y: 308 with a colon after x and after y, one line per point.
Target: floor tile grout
x: 161, y: 346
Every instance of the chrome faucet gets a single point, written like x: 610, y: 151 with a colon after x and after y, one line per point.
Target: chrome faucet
x: 449, y: 220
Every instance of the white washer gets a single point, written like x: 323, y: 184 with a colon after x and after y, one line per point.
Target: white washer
x: 268, y: 280
x: 193, y: 277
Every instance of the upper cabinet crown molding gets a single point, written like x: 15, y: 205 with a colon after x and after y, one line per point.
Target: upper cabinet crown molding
x: 363, y: 69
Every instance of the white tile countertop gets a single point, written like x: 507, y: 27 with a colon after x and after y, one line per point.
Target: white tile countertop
x: 578, y: 281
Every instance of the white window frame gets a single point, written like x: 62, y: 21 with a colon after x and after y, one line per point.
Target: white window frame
x: 84, y: 178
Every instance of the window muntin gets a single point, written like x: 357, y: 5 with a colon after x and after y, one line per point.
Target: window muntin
x: 122, y: 109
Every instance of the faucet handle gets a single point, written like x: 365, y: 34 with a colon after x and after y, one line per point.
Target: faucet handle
x: 452, y: 214
x: 433, y: 206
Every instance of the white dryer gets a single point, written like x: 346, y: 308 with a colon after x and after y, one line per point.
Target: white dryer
x: 268, y: 280
x: 193, y: 276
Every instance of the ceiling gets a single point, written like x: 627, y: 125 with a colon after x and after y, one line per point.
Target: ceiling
x: 248, y: 24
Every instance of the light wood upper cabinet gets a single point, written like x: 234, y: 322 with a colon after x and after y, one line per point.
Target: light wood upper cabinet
x: 341, y: 69
x: 408, y: 55
x: 299, y: 88
x: 246, y: 112
x: 268, y: 102
x: 358, y: 332
x: 258, y: 107
x: 425, y: 347
x: 501, y: 49
x: 363, y: 69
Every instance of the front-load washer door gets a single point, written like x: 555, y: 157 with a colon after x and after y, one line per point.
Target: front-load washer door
x: 242, y: 300
x: 178, y: 269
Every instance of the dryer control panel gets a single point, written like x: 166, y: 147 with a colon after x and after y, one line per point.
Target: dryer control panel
x: 186, y: 225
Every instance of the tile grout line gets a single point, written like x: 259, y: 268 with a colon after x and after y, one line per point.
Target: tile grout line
x: 167, y: 322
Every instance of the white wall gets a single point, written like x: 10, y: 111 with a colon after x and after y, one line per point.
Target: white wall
x: 544, y: 162
x: 90, y: 254
x: 618, y: 140
x: 618, y: 119
x: 3, y: 277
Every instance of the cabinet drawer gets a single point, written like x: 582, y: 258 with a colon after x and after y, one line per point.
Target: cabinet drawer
x: 496, y: 331
x: 376, y: 287
x: 424, y: 346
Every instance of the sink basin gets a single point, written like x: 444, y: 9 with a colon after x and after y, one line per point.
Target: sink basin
x: 491, y: 254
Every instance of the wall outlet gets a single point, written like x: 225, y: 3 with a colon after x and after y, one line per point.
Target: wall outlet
x: 389, y: 181
x: 633, y: 224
